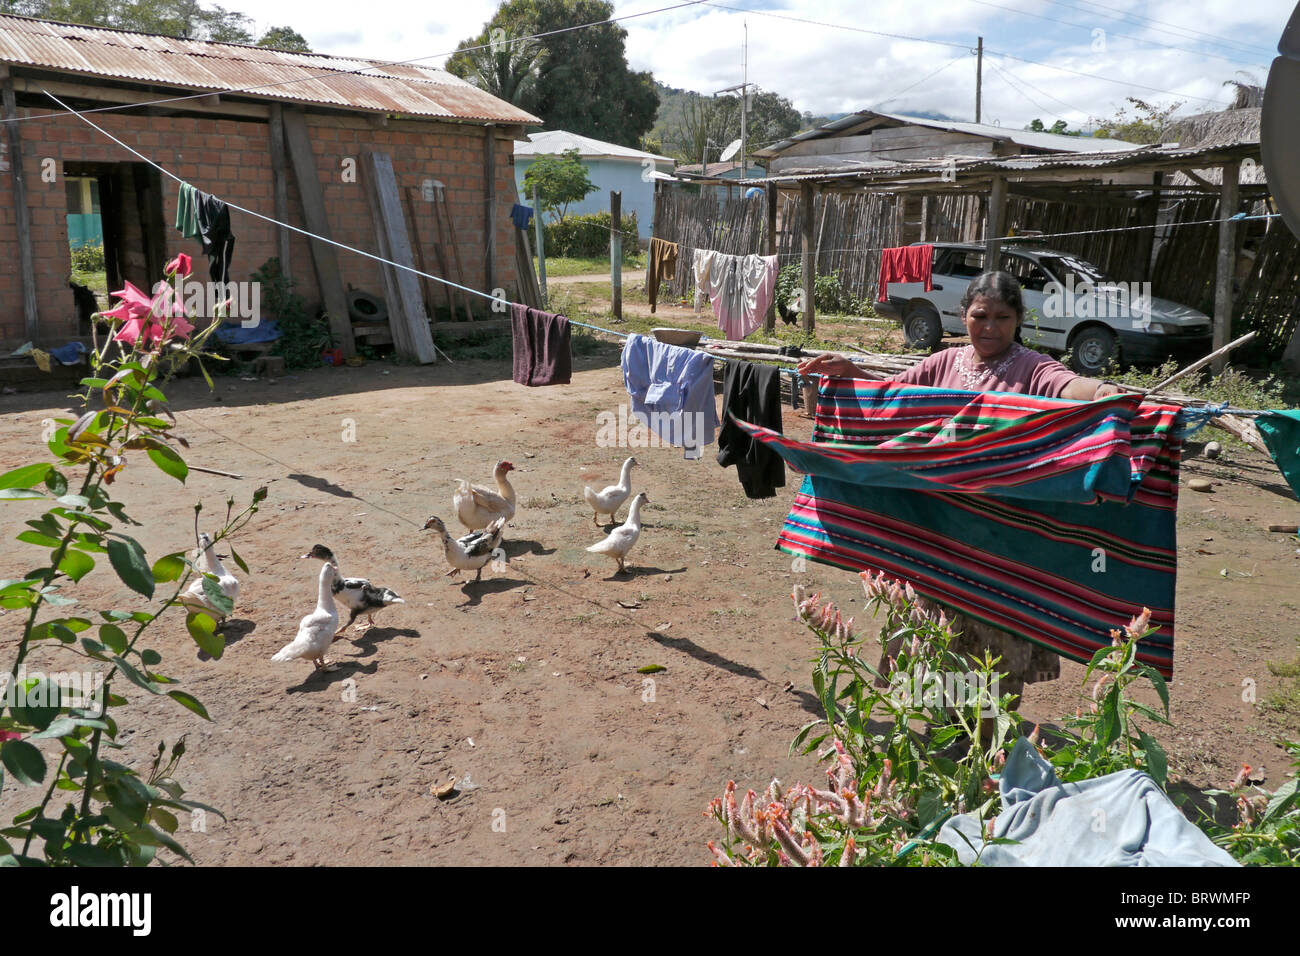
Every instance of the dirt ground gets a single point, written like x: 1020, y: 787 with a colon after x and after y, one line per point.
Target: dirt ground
x: 526, y: 685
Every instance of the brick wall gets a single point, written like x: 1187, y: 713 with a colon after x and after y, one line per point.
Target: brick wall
x: 231, y: 160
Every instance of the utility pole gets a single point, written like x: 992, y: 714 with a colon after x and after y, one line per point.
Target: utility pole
x: 744, y: 104
x: 979, y: 76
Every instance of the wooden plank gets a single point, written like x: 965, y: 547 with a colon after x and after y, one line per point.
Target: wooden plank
x: 769, y: 249
x: 1225, y: 264
x: 616, y: 254
x: 406, y: 315
x: 413, y: 227
x: 490, y: 207
x: 397, y: 324
x: 447, y: 224
x: 808, y: 257
x: 22, y: 213
x: 280, y: 184
x: 324, y: 260
x: 100, y: 92
x: 997, y: 219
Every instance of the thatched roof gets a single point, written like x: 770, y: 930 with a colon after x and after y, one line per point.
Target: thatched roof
x: 1221, y: 128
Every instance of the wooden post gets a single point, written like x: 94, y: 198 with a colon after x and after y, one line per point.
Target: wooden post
x: 996, y: 223
x: 808, y: 257
x: 616, y: 253
x: 22, y: 212
x: 769, y: 320
x: 489, y: 214
x: 325, y: 262
x: 1227, y: 260
x: 280, y: 183
x: 541, y: 248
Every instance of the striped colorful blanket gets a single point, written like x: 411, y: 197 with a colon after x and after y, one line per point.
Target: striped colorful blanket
x: 1050, y: 519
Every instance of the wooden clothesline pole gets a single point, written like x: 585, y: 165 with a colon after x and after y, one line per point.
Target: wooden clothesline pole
x: 1199, y: 364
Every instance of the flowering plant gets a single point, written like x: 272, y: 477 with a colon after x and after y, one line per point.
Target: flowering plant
x: 115, y: 815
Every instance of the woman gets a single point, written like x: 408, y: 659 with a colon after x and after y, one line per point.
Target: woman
x: 993, y: 309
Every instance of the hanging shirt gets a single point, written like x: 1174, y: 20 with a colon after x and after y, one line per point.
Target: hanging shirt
x: 213, y: 217
x: 671, y: 389
x: 187, y: 221
x: 905, y: 264
x: 741, y: 289
x: 751, y: 393
x: 521, y: 215
x: 661, y: 264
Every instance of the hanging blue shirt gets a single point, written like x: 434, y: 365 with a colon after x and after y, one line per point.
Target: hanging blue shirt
x: 672, y: 392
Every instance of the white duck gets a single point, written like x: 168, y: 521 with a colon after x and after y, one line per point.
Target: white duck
x: 608, y: 501
x: 358, y: 595
x: 477, y: 507
x: 621, y: 539
x: 195, y: 598
x: 474, y: 550
x: 316, y: 631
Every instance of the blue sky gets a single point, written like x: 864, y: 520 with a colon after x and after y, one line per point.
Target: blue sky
x: 1163, y: 51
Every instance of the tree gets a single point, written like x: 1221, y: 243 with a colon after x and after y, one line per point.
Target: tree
x: 505, y: 68
x: 1060, y: 128
x: 560, y: 180
x: 1144, y: 125
x: 582, y: 80
x: 188, y: 19
x: 715, y: 121
x: 284, y: 38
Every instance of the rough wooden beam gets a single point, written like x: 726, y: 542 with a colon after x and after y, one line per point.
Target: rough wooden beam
x: 100, y: 93
x: 1225, y: 265
x: 769, y: 249
x: 280, y: 184
x: 324, y: 260
x: 490, y: 206
x: 997, y: 222
x: 22, y: 213
x: 808, y: 257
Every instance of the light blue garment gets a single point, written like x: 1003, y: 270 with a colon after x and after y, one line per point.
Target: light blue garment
x: 1121, y: 819
x: 672, y: 392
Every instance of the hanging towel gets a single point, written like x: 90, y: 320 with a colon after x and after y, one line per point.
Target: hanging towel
x: 1055, y: 824
x: 758, y: 275
x: 1050, y: 519
x: 751, y: 393
x: 661, y: 264
x: 1281, y: 433
x: 214, y: 232
x: 706, y: 269
x: 522, y: 215
x: 542, y: 351
x: 905, y: 264
x: 671, y: 389
x: 187, y: 220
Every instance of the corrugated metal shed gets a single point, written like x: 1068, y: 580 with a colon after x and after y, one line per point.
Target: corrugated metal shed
x: 555, y: 141
x: 200, y: 65
x: 1045, y: 141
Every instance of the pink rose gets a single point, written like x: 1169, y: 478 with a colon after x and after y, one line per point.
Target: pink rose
x: 181, y: 264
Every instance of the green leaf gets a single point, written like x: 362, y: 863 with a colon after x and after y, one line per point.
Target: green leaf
x: 20, y: 494
x: 212, y: 591
x: 185, y: 700
x: 76, y: 564
x: 167, y: 460
x: 204, y: 631
x: 169, y: 567
x: 23, y: 761
x: 113, y: 637
x: 40, y: 699
x: 59, y: 728
x: 239, y: 561
x: 150, y: 657
x: 26, y: 476
x: 259, y: 495
x: 130, y: 564
x: 135, y: 677
x: 1286, y: 797
x: 74, y: 501
x: 56, y: 482
x: 1157, y: 763
x: 38, y: 539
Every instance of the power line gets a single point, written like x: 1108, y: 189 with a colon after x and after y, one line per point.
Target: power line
x: 1082, y: 26
x: 332, y: 74
x: 928, y: 76
x: 1007, y: 79
x: 963, y: 46
x: 1191, y: 34
x: 1037, y: 89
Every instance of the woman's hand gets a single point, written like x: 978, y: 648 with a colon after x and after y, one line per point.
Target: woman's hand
x: 1106, y: 388
x: 833, y: 365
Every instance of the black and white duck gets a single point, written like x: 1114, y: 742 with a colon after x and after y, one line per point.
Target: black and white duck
x: 358, y: 595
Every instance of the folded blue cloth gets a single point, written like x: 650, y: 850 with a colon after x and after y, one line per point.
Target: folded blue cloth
x: 522, y: 215
x: 236, y: 334
x: 69, y: 354
x: 1121, y: 819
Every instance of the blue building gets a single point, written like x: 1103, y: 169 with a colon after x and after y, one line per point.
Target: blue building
x: 611, y: 167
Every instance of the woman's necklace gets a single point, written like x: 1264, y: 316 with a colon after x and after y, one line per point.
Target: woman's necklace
x: 973, y: 372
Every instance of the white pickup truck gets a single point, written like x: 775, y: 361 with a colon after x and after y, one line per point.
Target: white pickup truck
x: 1069, y: 305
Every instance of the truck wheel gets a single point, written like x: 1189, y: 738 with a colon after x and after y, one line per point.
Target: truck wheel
x: 364, y: 307
x: 1092, y: 350
x: 922, y: 330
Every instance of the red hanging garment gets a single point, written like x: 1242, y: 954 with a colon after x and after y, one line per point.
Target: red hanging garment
x: 905, y: 264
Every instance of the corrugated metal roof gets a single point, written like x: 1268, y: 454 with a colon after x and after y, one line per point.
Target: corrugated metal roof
x: 341, y: 82
x: 555, y: 141
x: 902, y: 170
x: 1021, y: 137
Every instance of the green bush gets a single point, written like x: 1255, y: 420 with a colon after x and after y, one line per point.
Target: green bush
x: 831, y: 296
x: 302, y: 337
x: 88, y: 258
x: 587, y: 237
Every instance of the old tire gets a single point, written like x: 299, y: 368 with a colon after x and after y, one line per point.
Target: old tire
x: 364, y: 307
x: 922, y: 330
x: 1092, y: 350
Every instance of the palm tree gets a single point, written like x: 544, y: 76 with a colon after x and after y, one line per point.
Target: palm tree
x: 507, y: 69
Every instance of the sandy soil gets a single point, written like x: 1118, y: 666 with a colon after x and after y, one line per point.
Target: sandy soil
x: 527, y: 683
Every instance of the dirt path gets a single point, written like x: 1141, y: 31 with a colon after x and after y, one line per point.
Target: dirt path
x: 527, y: 683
